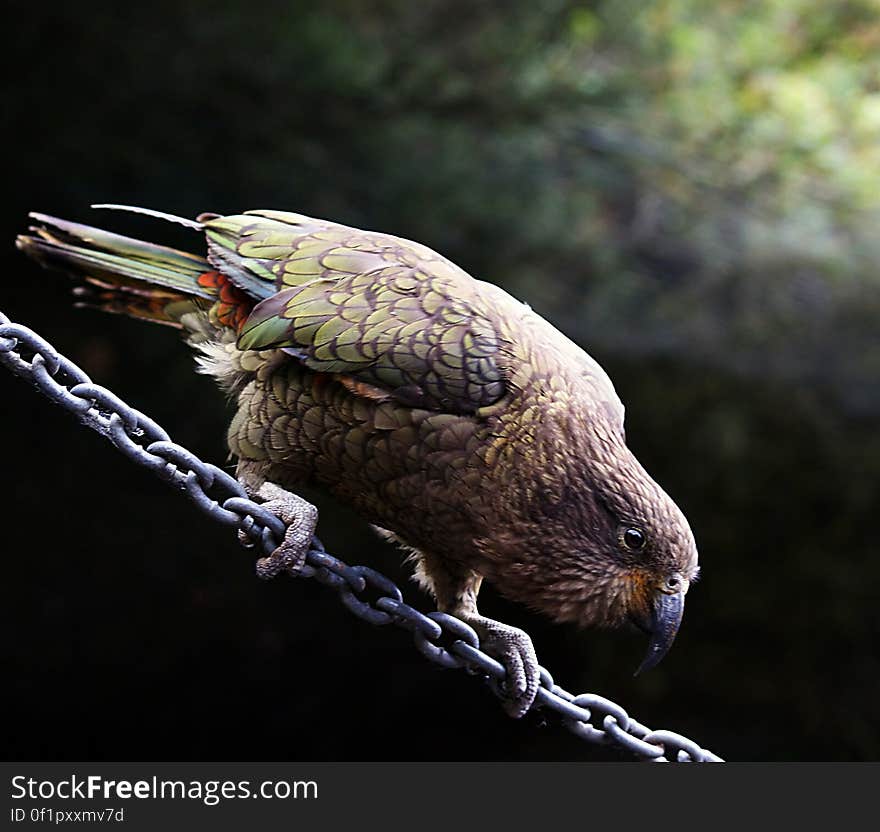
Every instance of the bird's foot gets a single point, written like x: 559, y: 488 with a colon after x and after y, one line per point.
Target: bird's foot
x: 300, y: 517
x: 514, y: 649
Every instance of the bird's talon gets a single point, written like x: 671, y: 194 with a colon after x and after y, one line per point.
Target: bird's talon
x: 300, y: 518
x: 514, y: 649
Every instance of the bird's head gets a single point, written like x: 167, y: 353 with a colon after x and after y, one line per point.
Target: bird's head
x: 622, y: 551
x: 641, y: 550
x: 653, y: 560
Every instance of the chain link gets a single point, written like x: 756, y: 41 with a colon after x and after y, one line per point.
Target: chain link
x: 220, y: 496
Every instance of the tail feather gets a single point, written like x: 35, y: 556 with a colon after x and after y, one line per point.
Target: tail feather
x: 151, y: 304
x: 142, y: 280
x: 113, y: 258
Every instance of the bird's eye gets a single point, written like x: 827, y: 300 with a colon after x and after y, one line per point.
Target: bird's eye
x: 634, y: 539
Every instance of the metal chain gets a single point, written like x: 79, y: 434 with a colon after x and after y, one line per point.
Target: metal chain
x: 219, y: 495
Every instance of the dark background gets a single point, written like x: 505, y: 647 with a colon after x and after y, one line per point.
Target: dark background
x: 691, y: 194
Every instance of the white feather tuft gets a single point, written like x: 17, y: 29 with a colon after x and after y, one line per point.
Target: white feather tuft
x: 149, y: 212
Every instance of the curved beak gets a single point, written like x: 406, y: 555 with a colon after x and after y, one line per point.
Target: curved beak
x: 665, y: 620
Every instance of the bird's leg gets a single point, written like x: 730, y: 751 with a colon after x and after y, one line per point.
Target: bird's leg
x: 298, y: 515
x: 456, y: 594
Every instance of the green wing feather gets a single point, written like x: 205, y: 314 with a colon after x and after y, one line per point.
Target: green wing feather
x: 389, y: 312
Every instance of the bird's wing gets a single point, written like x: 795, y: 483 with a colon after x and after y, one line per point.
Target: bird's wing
x: 389, y: 313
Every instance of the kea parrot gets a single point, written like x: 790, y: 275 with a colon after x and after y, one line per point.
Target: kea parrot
x: 452, y: 417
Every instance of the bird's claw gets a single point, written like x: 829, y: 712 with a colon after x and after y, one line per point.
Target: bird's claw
x: 514, y: 649
x: 300, y: 517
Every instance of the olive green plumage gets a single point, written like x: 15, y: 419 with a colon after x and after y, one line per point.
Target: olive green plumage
x: 385, y: 311
x: 441, y: 408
